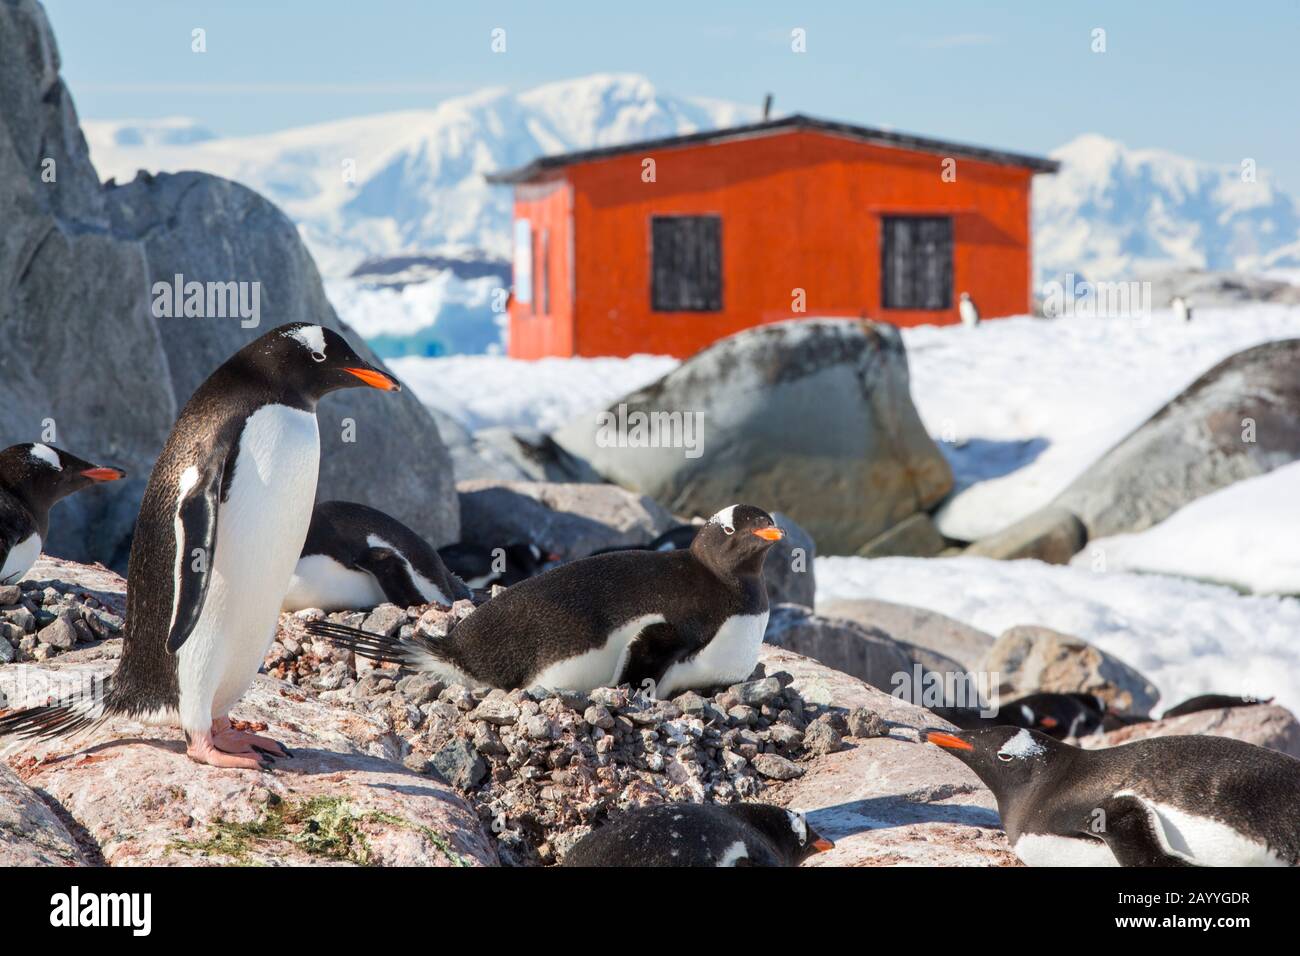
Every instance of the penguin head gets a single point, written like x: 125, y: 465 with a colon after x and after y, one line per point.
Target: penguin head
x: 1005, y: 758
x: 787, y: 830
x: 311, y: 361
x: 736, y: 539
x: 41, y: 475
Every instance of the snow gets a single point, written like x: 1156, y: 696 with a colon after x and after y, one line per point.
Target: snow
x: 442, y: 315
x: 1187, y: 637
x: 1243, y: 535
x: 1023, y: 406
x: 481, y: 391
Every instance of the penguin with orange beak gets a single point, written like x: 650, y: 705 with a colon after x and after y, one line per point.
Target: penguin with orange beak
x: 33, y: 478
x: 664, y: 622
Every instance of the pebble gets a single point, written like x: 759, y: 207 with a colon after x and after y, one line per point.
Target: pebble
x: 776, y: 767
x: 60, y: 634
x: 867, y: 723
x: 821, y: 737
x: 10, y: 594
x: 500, y: 711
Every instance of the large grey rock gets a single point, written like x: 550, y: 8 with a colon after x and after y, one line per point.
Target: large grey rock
x: 84, y: 351
x: 31, y: 834
x: 913, y: 537
x: 1052, y: 535
x: 812, y: 417
x: 1029, y: 658
x: 788, y: 569
x: 569, y: 520
x: 922, y: 628
x: 868, y: 654
x: 1238, y: 420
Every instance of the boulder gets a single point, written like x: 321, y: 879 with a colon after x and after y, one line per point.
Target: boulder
x: 868, y: 654
x: 31, y: 834
x: 813, y: 417
x: 1238, y: 420
x: 923, y: 629
x: 1029, y: 659
x: 788, y: 569
x: 96, y: 371
x: 887, y: 800
x: 1206, y: 289
x: 1052, y: 535
x: 1265, y: 725
x: 570, y: 520
x: 913, y: 537
x: 344, y: 798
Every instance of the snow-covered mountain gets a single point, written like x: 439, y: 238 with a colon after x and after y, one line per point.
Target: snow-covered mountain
x: 411, y: 184
x: 1113, y: 212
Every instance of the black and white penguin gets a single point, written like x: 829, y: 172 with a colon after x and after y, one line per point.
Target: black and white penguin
x: 1163, y: 801
x: 481, y: 567
x: 33, y: 478
x: 677, y: 619
x: 220, y: 530
x: 357, y: 557
x: 694, y: 834
x: 970, y: 316
x: 1057, y: 715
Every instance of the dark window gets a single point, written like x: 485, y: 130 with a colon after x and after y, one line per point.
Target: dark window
x: 544, y: 273
x: 686, y: 263
x: 916, y: 262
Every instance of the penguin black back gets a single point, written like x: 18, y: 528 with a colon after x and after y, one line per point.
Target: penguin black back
x: 691, y: 834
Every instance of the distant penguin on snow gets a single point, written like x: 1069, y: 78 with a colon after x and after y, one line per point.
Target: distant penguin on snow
x: 1182, y: 309
x: 1163, y: 801
x: 700, y: 834
x: 679, y: 619
x: 970, y: 316
x: 220, y: 530
x: 358, y: 557
x: 33, y: 478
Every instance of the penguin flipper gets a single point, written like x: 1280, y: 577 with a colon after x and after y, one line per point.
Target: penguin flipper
x: 196, y: 544
x: 388, y: 568
x: 650, y: 653
x: 1134, y: 834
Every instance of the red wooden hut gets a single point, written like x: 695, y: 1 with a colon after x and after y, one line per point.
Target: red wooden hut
x: 666, y: 245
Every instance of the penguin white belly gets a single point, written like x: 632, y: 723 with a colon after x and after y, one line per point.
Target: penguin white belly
x: 1209, y: 842
x: 600, y: 666
x: 20, y: 559
x: 431, y: 593
x: 261, y: 527
x: 1049, y: 849
x: 728, y: 658
x: 320, y: 581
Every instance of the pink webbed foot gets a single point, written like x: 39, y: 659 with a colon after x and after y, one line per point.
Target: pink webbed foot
x: 232, y: 740
x: 201, y: 749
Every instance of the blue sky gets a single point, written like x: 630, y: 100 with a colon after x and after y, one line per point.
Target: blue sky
x: 1215, y: 81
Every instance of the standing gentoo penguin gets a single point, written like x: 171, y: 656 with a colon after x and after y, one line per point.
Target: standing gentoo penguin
x: 700, y: 834
x: 32, y: 479
x: 970, y: 316
x: 1182, y: 309
x: 221, y: 527
x: 357, y: 556
x: 680, y: 619
x: 1163, y: 801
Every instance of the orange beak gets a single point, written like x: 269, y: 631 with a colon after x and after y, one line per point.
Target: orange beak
x: 770, y: 534
x: 1048, y: 722
x: 376, y: 379
x: 821, y: 845
x: 103, y: 474
x: 949, y: 741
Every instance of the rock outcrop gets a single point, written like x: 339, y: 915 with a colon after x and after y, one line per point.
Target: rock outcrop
x: 1029, y: 658
x: 31, y: 834
x: 1265, y: 725
x: 919, y: 627
x: 866, y: 653
x: 1238, y: 420
x: 810, y: 417
x: 90, y: 364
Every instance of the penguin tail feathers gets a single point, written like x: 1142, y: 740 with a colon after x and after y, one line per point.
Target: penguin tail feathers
x: 67, y: 716
x: 417, y: 653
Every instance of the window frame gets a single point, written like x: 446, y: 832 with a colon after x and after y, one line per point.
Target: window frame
x: 709, y: 303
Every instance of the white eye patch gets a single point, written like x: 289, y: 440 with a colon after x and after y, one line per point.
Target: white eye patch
x: 1022, y: 745
x: 47, y: 455
x: 799, y: 825
x: 313, y: 338
x: 727, y: 518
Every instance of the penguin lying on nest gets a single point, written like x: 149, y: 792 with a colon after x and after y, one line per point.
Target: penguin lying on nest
x: 666, y: 621
x: 695, y: 834
x: 1055, y: 714
x: 1163, y: 801
x: 357, y: 557
x: 480, y: 567
x: 33, y: 478
x: 220, y: 530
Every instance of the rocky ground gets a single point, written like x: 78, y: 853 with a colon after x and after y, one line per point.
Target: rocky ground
x: 542, y: 768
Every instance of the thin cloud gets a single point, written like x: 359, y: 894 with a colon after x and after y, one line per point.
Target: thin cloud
x: 225, y: 89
